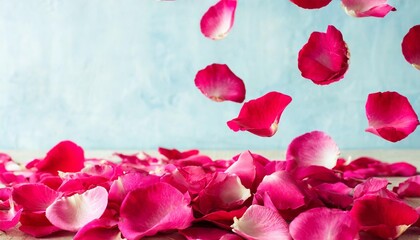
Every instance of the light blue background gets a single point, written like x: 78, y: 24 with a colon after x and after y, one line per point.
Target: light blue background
x: 116, y: 74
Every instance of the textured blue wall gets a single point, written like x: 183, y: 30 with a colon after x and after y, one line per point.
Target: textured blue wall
x: 114, y: 74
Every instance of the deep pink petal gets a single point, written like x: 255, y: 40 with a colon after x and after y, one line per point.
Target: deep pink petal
x: 383, y: 217
x: 66, y: 156
x: 34, y: 196
x: 367, y: 8
x: 411, y: 47
x: 370, y: 186
x: 409, y: 188
x: 315, y: 175
x: 72, y: 213
x: 223, y: 219
x: 189, y: 178
x: 259, y: 222
x: 324, y: 59
x: 104, y: 229
x: 390, y: 116
x: 245, y: 168
x: 36, y: 224
x: 219, y: 83
x: 176, y: 154
x: 311, y: 4
x: 162, y: 208
x: 324, y: 223
x: 402, y: 169
x: 261, y: 116
x: 335, y: 194
x: 208, y: 233
x: 313, y: 148
x: 9, y: 218
x: 218, y: 20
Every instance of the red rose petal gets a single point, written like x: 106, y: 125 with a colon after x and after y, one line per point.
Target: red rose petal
x: 261, y: 116
x: 223, y: 219
x: 195, y: 233
x: 66, y: 156
x: 162, y: 208
x: 311, y: 4
x: 411, y: 47
x: 176, y: 154
x: 324, y: 223
x: 36, y: 224
x: 324, y: 59
x: 104, y: 229
x: 34, y: 196
x: 383, y: 217
x: 313, y: 148
x: 219, y: 83
x: 390, y: 116
x: 218, y: 20
x: 263, y: 223
x: 367, y: 8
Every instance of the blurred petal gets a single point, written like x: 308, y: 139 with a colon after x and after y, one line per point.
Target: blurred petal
x: 324, y: 59
x: 311, y: 4
x: 411, y: 47
x: 409, y: 188
x: 219, y: 83
x: 9, y: 218
x: 34, y: 196
x: 162, y: 208
x: 218, y: 20
x: 72, y: 213
x: 104, y: 229
x: 259, y: 222
x: 208, y: 233
x: 390, y: 116
x: 261, y: 116
x: 324, y: 223
x: 36, y: 224
x: 176, y: 154
x: 66, y: 156
x: 367, y: 8
x: 370, y: 186
x: 313, y: 148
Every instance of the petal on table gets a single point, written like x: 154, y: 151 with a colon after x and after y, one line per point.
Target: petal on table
x: 390, y: 116
x: 104, y: 229
x: 218, y: 20
x: 261, y: 116
x: 36, y: 224
x: 324, y: 59
x: 409, y: 188
x: 411, y: 47
x: 219, y: 83
x: 34, y: 196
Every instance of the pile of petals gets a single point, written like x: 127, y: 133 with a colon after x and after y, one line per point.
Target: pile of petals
x: 312, y: 194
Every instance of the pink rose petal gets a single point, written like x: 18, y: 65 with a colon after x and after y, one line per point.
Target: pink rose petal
x: 311, y: 4
x: 367, y: 8
x: 335, y: 194
x: 219, y: 83
x: 370, y: 186
x: 383, y: 217
x: 324, y: 59
x: 9, y: 218
x: 34, y: 196
x: 409, y: 188
x: 72, y: 213
x: 66, y: 156
x: 411, y: 47
x: 176, y: 154
x: 223, y: 219
x: 218, y: 20
x: 324, y: 223
x: 208, y: 233
x: 104, y: 229
x: 159, y: 207
x: 261, y: 116
x: 313, y: 148
x: 263, y: 223
x: 36, y: 224
x: 390, y: 116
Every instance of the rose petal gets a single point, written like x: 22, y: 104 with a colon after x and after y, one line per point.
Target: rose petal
x: 9, y: 218
x: 402, y: 169
x: 411, y: 47
x: 72, y: 213
x: 223, y: 219
x: 218, y: 20
x: 259, y: 222
x: 311, y: 4
x: 162, y: 208
x: 219, y: 83
x: 261, y: 116
x: 176, y: 154
x: 324, y: 223
x: 313, y: 148
x: 36, y: 224
x: 409, y: 188
x: 324, y: 59
x: 245, y: 168
x: 34, y: 196
x: 367, y: 8
x: 370, y: 186
x: 66, y: 156
x: 383, y: 217
x: 390, y: 116
x: 335, y: 194
x: 208, y: 233
x: 104, y: 229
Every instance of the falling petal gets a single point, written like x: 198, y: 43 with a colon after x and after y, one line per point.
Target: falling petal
x: 411, y: 47
x: 367, y: 8
x: 311, y: 4
x: 218, y: 20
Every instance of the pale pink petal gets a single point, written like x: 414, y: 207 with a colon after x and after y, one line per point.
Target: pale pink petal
x: 219, y: 83
x: 162, y: 208
x: 411, y: 47
x: 34, y: 196
x: 218, y: 20
x: 259, y: 222
x: 324, y: 223
x: 367, y: 8
x: 36, y: 224
x: 390, y: 116
x: 383, y: 217
x: 223, y: 192
x: 261, y: 116
x: 208, y: 233
x: 104, y: 229
x: 313, y: 148
x: 66, y: 156
x: 324, y: 59
x: 189, y: 178
x: 311, y: 4
x: 72, y: 213
x: 245, y: 168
